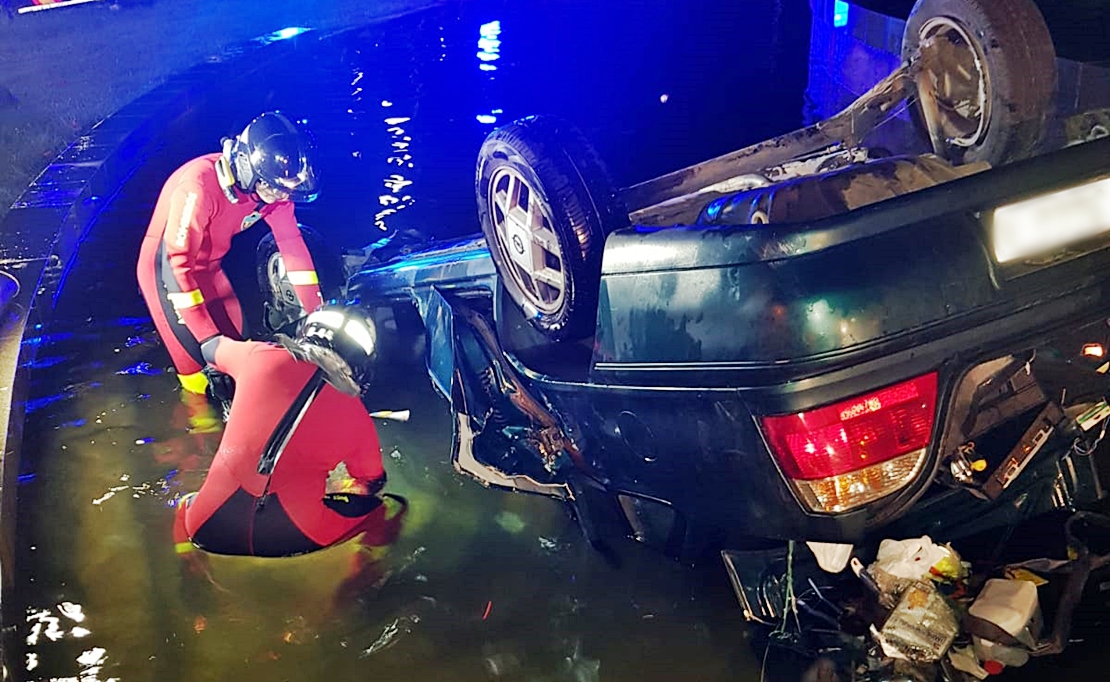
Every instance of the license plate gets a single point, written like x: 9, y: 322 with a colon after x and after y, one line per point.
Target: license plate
x: 1039, y: 226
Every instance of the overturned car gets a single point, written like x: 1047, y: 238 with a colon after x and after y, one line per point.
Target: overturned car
x: 807, y: 340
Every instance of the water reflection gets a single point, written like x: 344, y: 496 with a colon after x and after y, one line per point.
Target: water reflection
x: 489, y: 51
x: 54, y: 624
x: 398, y: 196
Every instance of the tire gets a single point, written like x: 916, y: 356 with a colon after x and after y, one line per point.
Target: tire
x: 280, y: 301
x: 1010, y: 40
x: 543, y: 170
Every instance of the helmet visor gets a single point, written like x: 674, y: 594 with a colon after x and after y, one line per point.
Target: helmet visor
x: 282, y: 155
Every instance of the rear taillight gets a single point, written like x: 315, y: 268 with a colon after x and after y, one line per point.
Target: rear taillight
x: 842, y: 456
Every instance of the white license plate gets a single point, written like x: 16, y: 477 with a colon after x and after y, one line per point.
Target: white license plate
x: 1039, y: 226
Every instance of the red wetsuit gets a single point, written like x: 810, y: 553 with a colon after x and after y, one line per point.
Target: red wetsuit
x: 224, y: 517
x: 188, y: 294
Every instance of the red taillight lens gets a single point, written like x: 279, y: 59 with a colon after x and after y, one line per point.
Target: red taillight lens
x: 826, y: 445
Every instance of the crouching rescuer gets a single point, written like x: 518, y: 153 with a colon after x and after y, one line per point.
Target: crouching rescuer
x: 203, y: 205
x: 299, y: 467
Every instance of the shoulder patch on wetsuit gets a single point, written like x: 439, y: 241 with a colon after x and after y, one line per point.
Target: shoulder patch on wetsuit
x: 249, y: 220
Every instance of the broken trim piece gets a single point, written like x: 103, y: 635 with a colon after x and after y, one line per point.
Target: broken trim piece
x: 465, y: 462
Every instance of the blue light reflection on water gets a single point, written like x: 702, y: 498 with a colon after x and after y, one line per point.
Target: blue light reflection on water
x: 37, y: 404
x: 43, y: 363
x: 46, y: 338
x: 282, y: 34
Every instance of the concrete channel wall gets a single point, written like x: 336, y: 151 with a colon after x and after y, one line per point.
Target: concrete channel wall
x: 40, y: 238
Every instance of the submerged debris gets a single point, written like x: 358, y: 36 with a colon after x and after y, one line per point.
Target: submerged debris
x: 579, y: 668
x: 500, y: 661
x: 391, y: 634
x: 509, y: 522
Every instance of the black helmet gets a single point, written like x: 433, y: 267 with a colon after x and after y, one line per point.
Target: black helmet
x: 339, y: 340
x: 279, y: 152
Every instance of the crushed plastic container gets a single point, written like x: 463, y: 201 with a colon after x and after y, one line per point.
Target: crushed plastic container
x: 1012, y: 606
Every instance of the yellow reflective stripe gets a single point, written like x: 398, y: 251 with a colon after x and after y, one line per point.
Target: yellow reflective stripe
x: 194, y: 383
x: 184, y: 547
x: 186, y: 299
x: 302, y: 277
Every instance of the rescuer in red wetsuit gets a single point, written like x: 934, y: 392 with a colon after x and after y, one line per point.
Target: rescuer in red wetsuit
x: 204, y: 204
x: 289, y: 420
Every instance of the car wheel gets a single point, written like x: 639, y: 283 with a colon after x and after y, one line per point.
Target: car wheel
x: 282, y: 307
x: 546, y: 204
x: 986, y: 77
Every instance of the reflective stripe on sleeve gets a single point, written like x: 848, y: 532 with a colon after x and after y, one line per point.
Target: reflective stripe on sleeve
x: 302, y: 277
x: 184, y: 547
x: 186, y: 299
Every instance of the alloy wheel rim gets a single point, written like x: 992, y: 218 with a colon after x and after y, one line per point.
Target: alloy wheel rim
x: 955, y: 71
x: 526, y: 239
x: 275, y: 272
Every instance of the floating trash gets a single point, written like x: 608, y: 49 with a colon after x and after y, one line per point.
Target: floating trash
x: 297, y: 631
x: 391, y: 634
x: 144, y: 368
x: 392, y: 415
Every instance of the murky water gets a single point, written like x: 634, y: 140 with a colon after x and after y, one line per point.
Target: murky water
x: 481, y: 584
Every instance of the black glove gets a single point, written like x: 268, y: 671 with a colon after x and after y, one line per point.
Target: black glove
x: 221, y: 387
